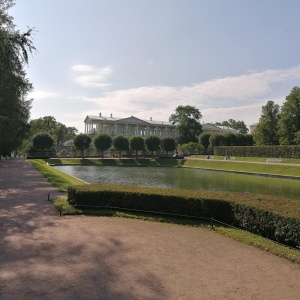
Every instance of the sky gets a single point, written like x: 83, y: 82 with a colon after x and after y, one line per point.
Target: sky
x: 144, y: 58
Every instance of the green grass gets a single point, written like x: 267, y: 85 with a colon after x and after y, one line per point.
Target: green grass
x: 58, y: 179
x: 246, y: 166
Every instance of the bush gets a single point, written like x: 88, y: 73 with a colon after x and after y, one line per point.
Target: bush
x: 274, y: 218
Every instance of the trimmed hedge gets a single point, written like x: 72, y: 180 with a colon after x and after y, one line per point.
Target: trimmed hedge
x: 275, y: 218
x: 282, y: 151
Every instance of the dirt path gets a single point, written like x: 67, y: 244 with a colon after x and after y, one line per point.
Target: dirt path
x: 44, y: 256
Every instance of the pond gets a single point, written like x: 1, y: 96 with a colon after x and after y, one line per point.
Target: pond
x: 184, y: 178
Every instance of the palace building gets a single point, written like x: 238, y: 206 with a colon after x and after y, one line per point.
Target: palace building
x: 128, y: 126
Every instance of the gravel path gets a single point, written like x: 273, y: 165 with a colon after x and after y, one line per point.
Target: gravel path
x: 44, y: 256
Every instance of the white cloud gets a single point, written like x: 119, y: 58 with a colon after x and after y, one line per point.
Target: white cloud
x: 38, y: 94
x: 89, y: 76
x: 223, y: 92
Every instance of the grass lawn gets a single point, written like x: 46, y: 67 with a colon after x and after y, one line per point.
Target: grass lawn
x: 62, y: 181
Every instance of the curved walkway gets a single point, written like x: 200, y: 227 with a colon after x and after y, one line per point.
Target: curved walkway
x: 44, y: 256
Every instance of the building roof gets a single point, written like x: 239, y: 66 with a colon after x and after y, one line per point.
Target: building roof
x: 132, y: 119
x: 213, y: 127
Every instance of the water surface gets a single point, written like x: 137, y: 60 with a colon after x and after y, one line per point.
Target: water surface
x: 184, y: 178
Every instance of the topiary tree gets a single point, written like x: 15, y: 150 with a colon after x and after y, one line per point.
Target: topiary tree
x: 42, y: 141
x: 137, y: 143
x: 121, y: 143
x: 217, y: 139
x: 102, y: 142
x: 168, y: 144
x: 204, y: 140
x: 152, y: 143
x: 82, y: 142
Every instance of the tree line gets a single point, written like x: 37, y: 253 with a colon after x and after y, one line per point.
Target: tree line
x: 280, y: 125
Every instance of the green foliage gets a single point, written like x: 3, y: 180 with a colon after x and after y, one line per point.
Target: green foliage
x: 168, y: 144
x: 191, y: 148
x: 48, y: 124
x: 266, y: 131
x: 14, y: 86
x: 187, y: 121
x: 102, y: 142
x: 289, y: 151
x: 152, y: 143
x: 217, y: 139
x: 204, y: 140
x: 289, y: 122
x: 82, y: 142
x: 42, y: 141
x: 271, y: 217
x: 121, y: 143
x: 137, y: 143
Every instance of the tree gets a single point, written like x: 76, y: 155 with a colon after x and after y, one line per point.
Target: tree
x: 49, y: 124
x: 297, y: 137
x: 187, y: 121
x: 191, y: 147
x: 217, y: 139
x: 42, y: 141
x: 102, y: 142
x: 168, y: 144
x: 121, y: 143
x: 230, y: 139
x: 266, y: 131
x: 204, y: 140
x: 152, y: 143
x: 289, y: 122
x: 82, y: 142
x: 14, y: 86
x: 137, y: 143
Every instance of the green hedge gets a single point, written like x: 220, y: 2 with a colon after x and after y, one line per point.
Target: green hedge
x: 275, y: 218
x: 282, y: 151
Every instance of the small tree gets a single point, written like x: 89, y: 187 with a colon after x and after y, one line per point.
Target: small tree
x: 168, y: 144
x: 137, y: 143
x: 217, y: 139
x: 152, y: 143
x: 42, y: 141
x: 204, y: 140
x: 82, y: 142
x: 102, y: 142
x: 121, y: 143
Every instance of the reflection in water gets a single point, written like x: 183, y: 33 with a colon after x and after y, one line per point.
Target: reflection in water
x: 183, y: 178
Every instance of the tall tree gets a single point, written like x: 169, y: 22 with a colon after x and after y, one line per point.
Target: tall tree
x: 289, y: 122
x: 187, y: 121
x: 14, y: 86
x: 266, y: 131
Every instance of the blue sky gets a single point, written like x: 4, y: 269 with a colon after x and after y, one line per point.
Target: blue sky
x: 144, y: 58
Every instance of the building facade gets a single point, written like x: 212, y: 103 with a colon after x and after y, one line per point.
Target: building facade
x: 128, y: 126
x: 212, y: 128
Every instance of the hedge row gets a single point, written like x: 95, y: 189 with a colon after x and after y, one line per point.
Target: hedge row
x: 282, y: 151
x: 268, y: 216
